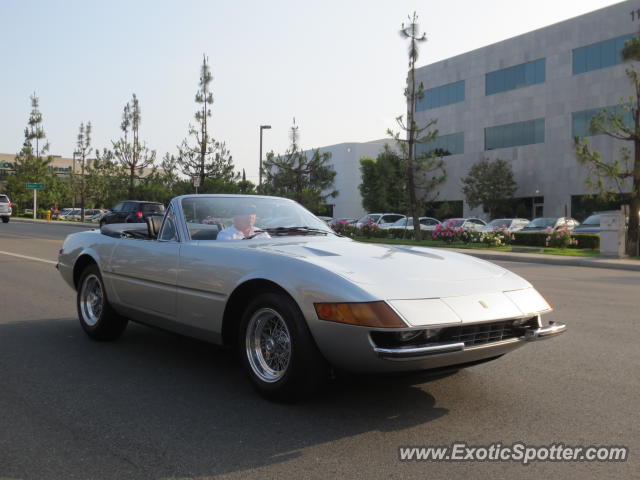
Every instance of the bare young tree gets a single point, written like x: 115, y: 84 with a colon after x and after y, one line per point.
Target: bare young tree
x: 204, y: 156
x: 130, y: 152
x: 34, y: 132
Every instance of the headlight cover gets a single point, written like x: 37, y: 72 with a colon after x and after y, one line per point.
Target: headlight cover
x: 364, y: 314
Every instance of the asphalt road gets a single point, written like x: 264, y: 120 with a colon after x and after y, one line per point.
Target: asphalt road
x: 155, y: 405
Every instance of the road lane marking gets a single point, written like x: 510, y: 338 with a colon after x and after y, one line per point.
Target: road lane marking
x: 28, y: 257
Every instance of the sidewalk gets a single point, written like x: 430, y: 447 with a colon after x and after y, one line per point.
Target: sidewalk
x: 595, y: 262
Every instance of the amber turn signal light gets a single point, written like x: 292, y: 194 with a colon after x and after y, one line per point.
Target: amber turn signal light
x: 364, y: 314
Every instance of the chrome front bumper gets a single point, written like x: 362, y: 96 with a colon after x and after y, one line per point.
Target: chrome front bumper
x: 417, y: 353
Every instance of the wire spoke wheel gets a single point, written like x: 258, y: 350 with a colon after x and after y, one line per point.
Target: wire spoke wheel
x: 91, y: 300
x: 268, y: 345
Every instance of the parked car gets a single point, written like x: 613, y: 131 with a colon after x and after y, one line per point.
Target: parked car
x: 97, y: 216
x: 426, y: 223
x: 379, y: 219
x: 132, y: 211
x: 540, y: 225
x: 467, y: 223
x: 88, y: 213
x: 508, y: 224
x: 65, y: 213
x: 590, y: 225
x: 301, y: 300
x: 327, y: 220
x: 6, y: 208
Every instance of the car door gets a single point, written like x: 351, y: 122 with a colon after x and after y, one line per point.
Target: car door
x: 144, y: 274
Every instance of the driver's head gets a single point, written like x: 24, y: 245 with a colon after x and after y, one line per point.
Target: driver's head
x: 244, y: 217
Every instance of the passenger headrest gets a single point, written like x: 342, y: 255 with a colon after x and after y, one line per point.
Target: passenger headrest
x: 154, y: 222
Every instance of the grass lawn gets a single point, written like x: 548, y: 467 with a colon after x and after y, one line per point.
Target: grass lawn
x: 570, y: 252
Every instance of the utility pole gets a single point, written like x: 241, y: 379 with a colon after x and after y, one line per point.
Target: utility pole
x: 262, y: 127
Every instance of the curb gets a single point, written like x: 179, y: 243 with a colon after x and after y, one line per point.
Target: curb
x: 55, y: 222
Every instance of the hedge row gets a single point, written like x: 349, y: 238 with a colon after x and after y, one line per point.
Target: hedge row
x: 585, y: 240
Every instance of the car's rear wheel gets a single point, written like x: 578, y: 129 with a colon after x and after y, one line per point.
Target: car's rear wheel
x: 97, y: 317
x: 277, y: 349
x: 5, y: 219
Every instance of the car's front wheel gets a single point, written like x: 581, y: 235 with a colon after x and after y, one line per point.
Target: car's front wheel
x: 97, y: 317
x: 277, y: 349
x: 5, y: 219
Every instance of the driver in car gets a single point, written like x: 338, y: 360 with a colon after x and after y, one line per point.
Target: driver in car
x: 244, y: 220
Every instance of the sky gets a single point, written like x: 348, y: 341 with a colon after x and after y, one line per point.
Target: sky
x: 337, y: 66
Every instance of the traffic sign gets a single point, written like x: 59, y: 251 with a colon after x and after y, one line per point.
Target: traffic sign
x: 35, y: 186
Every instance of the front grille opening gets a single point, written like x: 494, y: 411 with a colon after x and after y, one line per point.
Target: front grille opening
x: 470, y: 334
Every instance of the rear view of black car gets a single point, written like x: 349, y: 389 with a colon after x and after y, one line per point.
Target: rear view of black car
x: 132, y: 211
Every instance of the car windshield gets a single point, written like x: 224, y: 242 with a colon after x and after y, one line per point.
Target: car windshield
x: 4, y: 199
x: 277, y: 216
x: 592, y: 220
x: 541, y: 223
x: 500, y: 222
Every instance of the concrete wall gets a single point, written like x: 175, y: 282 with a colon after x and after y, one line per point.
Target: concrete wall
x: 345, y: 159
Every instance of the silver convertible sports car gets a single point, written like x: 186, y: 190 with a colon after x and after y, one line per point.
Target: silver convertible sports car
x: 266, y: 276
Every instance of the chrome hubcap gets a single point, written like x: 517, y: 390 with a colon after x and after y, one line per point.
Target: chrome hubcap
x: 91, y: 300
x: 268, y: 345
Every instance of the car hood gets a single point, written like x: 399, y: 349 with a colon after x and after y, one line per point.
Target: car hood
x: 401, y: 272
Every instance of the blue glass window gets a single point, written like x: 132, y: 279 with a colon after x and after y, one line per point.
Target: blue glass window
x: 514, y: 134
x: 441, y: 96
x: 518, y: 76
x: 599, y: 55
x: 442, y: 146
x: 581, y: 121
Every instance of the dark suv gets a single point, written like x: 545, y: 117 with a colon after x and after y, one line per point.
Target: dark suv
x: 132, y: 211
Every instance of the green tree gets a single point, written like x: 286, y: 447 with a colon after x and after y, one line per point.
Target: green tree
x: 489, y: 183
x: 383, y: 187
x: 203, y: 156
x: 306, y: 178
x: 130, y: 152
x: 609, y: 177
x: 423, y: 173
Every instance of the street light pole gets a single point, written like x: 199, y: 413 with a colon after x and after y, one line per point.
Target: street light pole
x: 262, y: 127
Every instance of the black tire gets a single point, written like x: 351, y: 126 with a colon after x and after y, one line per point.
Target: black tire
x: 305, y: 368
x: 5, y: 219
x: 97, y: 318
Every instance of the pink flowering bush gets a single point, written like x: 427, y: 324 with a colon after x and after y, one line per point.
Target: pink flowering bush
x: 370, y: 229
x: 339, y: 226
x: 447, y: 232
x: 560, y: 237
